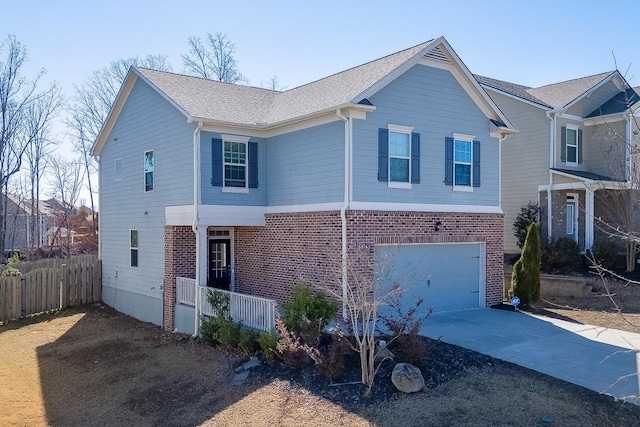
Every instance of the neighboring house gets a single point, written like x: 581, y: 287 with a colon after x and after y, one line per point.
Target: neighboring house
x: 19, y: 232
x: 255, y: 190
x: 572, y: 154
x: 60, y: 236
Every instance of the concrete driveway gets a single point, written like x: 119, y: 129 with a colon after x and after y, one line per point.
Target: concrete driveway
x: 603, y: 360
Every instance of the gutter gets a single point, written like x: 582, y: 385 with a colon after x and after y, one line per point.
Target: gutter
x: 552, y: 116
x: 196, y: 221
x: 345, y: 206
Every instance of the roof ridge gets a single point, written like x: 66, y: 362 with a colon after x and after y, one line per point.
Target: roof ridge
x: 359, y: 65
x: 205, y: 79
x: 607, y: 73
x: 501, y: 81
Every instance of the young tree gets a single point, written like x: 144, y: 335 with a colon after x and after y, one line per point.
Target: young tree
x: 213, y: 59
x: 19, y: 98
x: 273, y: 84
x: 91, y: 105
x: 66, y: 182
x: 525, y: 280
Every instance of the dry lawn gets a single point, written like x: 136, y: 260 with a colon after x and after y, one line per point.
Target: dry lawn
x: 93, y: 366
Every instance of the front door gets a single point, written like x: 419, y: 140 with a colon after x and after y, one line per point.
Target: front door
x: 219, y: 275
x: 572, y: 218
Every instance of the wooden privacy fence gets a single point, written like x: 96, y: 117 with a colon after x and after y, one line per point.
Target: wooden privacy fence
x: 52, y: 285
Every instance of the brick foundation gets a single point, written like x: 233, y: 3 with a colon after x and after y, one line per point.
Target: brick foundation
x: 179, y: 260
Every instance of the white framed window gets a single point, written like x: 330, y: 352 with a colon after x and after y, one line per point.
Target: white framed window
x: 235, y: 163
x: 399, y: 156
x: 133, y: 247
x: 463, y: 162
x: 571, y: 153
x: 118, y: 170
x: 149, y: 165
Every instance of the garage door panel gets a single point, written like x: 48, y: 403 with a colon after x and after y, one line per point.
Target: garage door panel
x: 446, y: 276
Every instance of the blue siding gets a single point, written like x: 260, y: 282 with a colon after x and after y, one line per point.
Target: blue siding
x: 146, y: 122
x: 432, y: 101
x: 214, y: 195
x: 307, y: 166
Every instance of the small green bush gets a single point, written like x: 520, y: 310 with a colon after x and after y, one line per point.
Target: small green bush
x: 220, y: 329
x: 307, y: 315
x: 605, y: 253
x: 561, y: 256
x: 248, y: 342
x: 525, y: 280
x: 268, y: 345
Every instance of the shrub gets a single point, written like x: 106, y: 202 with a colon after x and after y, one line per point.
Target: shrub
x: 528, y: 214
x: 405, y: 326
x: 561, y: 255
x: 307, y: 315
x: 605, y: 253
x: 525, y: 280
x: 289, y: 348
x: 248, y: 341
x: 268, y: 345
x: 332, y: 364
x: 220, y: 329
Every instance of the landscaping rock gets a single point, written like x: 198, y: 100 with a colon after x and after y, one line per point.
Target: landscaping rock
x: 407, y: 378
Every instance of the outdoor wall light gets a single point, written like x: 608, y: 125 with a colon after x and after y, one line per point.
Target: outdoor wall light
x: 437, y: 225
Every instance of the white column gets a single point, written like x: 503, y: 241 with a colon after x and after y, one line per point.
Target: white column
x: 203, y: 261
x: 588, y: 219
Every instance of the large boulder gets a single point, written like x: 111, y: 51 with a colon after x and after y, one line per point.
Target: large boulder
x: 407, y: 378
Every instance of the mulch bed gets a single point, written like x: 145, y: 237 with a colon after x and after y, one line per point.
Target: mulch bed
x: 443, y: 363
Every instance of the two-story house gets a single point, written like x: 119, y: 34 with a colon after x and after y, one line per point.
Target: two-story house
x: 573, y: 153
x: 255, y: 190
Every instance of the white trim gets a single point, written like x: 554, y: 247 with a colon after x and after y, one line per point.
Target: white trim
x: 235, y: 138
x: 463, y: 137
x: 423, y: 207
x: 588, y: 219
x: 463, y: 188
x: 512, y: 96
x: 405, y: 185
x: 235, y: 216
x: 400, y: 128
x: 609, y: 118
x: 568, y: 127
x: 235, y: 189
x: 574, y: 200
x: 145, y: 171
x: 571, y: 117
x: 232, y: 238
x: 581, y: 185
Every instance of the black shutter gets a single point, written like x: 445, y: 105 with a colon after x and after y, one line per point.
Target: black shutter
x: 476, y: 163
x: 415, y: 158
x: 383, y: 154
x: 216, y: 162
x: 253, y: 164
x: 448, y: 161
x: 579, y: 145
x: 563, y: 144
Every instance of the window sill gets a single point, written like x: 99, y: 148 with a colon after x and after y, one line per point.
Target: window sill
x: 235, y: 190
x: 405, y: 185
x: 463, y: 188
x: 571, y: 164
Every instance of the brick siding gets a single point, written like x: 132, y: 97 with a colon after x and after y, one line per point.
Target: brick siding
x: 179, y: 260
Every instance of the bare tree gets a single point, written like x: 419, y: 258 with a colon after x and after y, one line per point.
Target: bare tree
x: 273, y: 84
x: 18, y: 98
x: 213, y: 59
x: 91, y: 105
x: 38, y: 119
x: 66, y: 181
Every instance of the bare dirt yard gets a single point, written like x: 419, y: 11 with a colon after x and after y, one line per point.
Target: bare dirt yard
x: 92, y: 366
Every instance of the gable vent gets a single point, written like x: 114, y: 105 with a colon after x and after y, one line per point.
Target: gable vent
x: 438, y: 55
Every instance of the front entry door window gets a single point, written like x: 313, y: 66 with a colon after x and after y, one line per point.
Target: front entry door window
x: 219, y: 264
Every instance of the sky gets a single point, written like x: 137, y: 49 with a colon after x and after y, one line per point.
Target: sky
x: 527, y: 42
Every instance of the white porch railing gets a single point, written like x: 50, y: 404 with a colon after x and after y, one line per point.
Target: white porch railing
x: 254, y: 312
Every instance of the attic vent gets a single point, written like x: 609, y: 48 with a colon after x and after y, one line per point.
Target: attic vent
x: 437, y: 54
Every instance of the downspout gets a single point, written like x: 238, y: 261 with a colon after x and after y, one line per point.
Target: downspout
x: 196, y: 222
x: 345, y: 206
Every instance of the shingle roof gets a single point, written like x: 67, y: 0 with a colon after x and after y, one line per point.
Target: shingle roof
x: 554, y: 95
x: 587, y: 175
x: 510, y: 88
x: 561, y: 94
x: 213, y: 100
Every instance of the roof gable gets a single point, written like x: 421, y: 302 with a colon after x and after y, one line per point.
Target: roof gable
x: 216, y: 102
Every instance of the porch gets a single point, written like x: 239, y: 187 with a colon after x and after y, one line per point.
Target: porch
x: 254, y: 312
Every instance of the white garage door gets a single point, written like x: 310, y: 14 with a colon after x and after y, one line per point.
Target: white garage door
x: 446, y: 276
